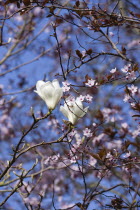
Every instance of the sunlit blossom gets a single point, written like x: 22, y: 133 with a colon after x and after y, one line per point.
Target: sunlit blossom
x: 109, y: 156
x: 125, y: 69
x: 133, y: 105
x: 126, y: 98
x: 50, y: 92
x: 94, y: 124
x: 91, y: 82
x: 113, y: 71
x: 81, y: 98
x: 87, y: 132
x: 88, y: 98
x: 73, y: 110
x: 111, y: 33
x: 133, y: 89
x: 124, y: 125
x: 66, y: 86
x: 131, y: 75
x: 66, y: 83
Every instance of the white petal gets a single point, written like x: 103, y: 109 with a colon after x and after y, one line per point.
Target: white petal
x: 65, y: 113
x: 57, y: 95
x: 55, y: 83
x: 51, y: 93
x: 71, y: 113
x: 48, y: 93
x: 78, y: 111
x: 79, y: 103
x: 68, y: 114
x: 85, y: 111
x: 39, y: 86
x: 72, y: 117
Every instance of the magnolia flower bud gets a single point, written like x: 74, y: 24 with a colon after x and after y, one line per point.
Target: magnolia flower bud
x: 50, y: 92
x: 73, y: 110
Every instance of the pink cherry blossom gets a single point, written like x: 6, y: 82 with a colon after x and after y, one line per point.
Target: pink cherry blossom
x: 66, y: 86
x: 70, y: 100
x: 113, y: 71
x: 88, y: 98
x: 124, y: 125
x: 87, y: 132
x: 133, y: 105
x: 125, y: 69
x: 90, y: 83
x: 109, y: 156
x: 133, y: 89
x: 94, y: 124
x: 131, y: 75
x: 81, y: 97
x: 66, y: 83
x: 126, y: 98
x: 111, y: 33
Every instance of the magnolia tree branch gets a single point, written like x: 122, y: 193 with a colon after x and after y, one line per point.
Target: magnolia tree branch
x: 21, y: 152
x: 9, y: 52
x: 115, y: 48
x: 19, y: 184
x: 26, y: 63
x: 16, y: 149
x: 63, y: 7
x: 59, y: 51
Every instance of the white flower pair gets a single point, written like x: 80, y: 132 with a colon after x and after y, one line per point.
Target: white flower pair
x: 51, y: 93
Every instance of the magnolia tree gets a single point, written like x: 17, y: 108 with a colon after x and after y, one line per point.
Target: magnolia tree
x: 69, y: 104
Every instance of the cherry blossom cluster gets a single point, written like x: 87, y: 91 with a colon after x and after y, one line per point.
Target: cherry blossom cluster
x: 87, y: 97
x: 66, y: 86
x: 6, y: 127
x: 132, y: 97
x: 129, y: 73
x: 74, y: 135
x: 87, y: 132
x: 52, y: 160
x: 110, y: 114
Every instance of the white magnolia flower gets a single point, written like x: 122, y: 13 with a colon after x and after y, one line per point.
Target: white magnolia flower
x: 73, y: 110
x: 50, y: 92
